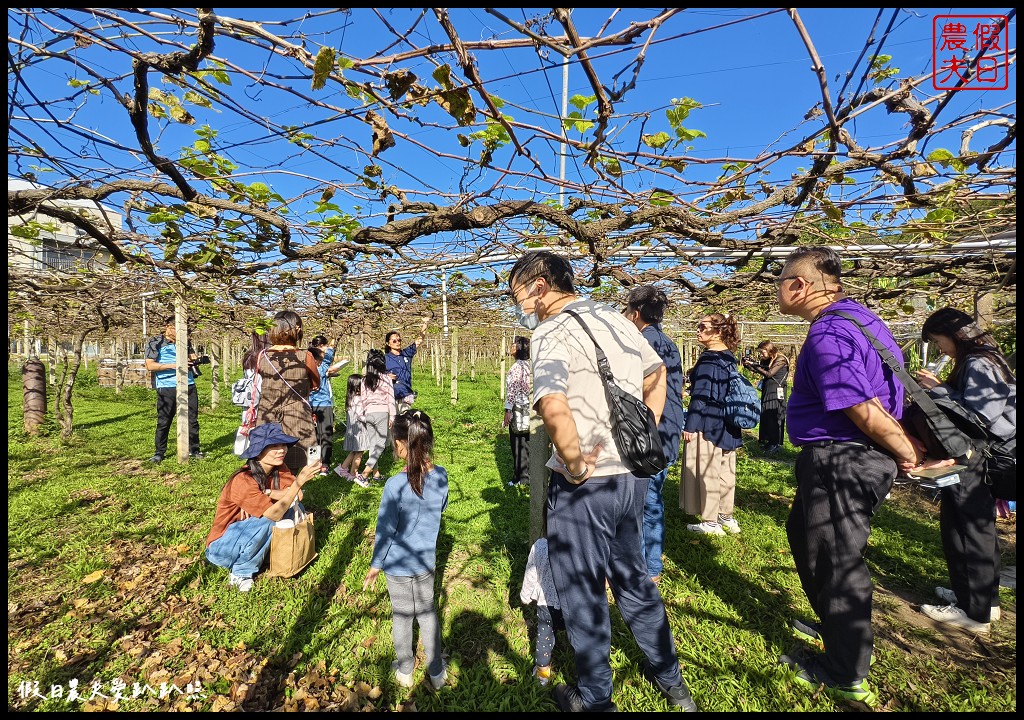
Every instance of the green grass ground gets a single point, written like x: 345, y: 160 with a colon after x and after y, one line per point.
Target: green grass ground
x: 107, y: 585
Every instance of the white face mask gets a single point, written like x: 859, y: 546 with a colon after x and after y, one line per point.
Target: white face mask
x: 530, y: 321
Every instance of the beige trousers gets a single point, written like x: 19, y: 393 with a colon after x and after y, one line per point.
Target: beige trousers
x: 708, y: 483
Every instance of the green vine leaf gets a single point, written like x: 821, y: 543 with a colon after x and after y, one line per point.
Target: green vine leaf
x: 580, y: 102
x: 661, y: 198
x: 322, y: 67
x: 657, y: 141
x: 611, y: 166
x: 576, y: 121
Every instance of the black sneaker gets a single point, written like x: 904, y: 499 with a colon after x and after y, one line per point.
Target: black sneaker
x: 808, y: 631
x: 569, y: 700
x: 156, y: 459
x: 811, y: 673
x: 678, y: 696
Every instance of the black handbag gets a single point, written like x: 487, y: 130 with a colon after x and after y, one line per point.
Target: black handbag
x: 633, y: 425
x: 948, y: 429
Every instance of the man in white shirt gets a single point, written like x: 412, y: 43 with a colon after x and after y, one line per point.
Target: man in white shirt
x: 595, y: 504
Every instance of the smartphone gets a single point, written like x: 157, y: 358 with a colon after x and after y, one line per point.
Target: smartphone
x: 936, y: 365
x: 313, y: 455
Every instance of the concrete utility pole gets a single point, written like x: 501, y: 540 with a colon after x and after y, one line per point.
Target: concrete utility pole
x: 444, y: 302
x: 565, y: 112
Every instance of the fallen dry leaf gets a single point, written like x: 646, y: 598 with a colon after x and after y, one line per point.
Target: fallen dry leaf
x: 92, y: 577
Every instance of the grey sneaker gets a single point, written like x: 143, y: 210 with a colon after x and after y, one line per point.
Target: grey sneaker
x: 948, y: 596
x: 440, y: 679
x: 808, y: 631
x: 403, y: 679
x: 156, y: 459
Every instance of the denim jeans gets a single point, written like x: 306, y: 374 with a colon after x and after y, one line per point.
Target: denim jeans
x: 654, y: 524
x: 412, y: 598
x: 244, y: 545
x: 594, y: 533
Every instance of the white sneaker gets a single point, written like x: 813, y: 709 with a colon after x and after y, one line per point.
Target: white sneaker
x: 952, y: 615
x: 244, y: 584
x: 403, y: 679
x: 706, y: 528
x: 947, y: 595
x: 360, y: 481
x: 730, y: 526
x: 439, y: 680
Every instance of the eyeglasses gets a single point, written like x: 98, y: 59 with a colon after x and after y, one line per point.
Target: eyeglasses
x: 704, y: 326
x: 779, y: 281
x: 527, y: 286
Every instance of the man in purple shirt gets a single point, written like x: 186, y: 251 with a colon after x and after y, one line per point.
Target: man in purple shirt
x: 843, y: 414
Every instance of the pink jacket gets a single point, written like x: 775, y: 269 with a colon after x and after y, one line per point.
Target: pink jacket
x: 377, y: 401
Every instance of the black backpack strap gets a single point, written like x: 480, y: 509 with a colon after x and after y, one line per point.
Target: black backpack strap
x: 921, y: 398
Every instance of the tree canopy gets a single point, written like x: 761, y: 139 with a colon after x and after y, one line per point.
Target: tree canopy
x: 296, y: 154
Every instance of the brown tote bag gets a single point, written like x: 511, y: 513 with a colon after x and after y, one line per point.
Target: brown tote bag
x: 292, y: 549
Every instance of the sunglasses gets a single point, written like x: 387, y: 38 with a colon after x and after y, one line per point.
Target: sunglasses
x: 704, y: 326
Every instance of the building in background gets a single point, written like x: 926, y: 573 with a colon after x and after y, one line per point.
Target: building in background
x: 57, y: 246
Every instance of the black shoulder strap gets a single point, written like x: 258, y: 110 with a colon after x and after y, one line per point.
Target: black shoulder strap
x: 921, y: 398
x: 604, y: 368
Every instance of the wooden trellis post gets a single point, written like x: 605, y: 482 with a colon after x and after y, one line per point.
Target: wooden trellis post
x: 435, y: 358
x: 181, y: 341
x: 540, y: 451
x: 226, y: 361
x: 455, y: 367
x: 501, y: 374
x: 51, y: 359
x: 216, y: 362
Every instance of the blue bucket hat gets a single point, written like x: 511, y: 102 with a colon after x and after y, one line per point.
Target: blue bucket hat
x: 266, y: 434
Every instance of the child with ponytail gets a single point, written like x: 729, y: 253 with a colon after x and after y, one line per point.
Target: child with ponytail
x: 405, y: 547
x: 354, y: 434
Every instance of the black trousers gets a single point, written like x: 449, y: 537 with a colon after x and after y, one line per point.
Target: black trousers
x: 520, y: 456
x: 967, y: 524
x: 772, y: 428
x: 166, y: 407
x: 839, y: 488
x: 325, y: 432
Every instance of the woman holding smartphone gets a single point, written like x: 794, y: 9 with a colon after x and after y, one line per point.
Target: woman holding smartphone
x: 981, y: 381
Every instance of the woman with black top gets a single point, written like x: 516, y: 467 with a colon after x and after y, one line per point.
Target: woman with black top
x: 982, y: 382
x: 773, y: 366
